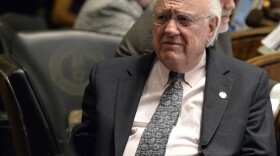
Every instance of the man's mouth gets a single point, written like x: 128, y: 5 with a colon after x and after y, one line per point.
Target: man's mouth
x: 171, y: 43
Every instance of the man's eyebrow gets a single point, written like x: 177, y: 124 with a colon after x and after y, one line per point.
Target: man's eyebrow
x: 181, y: 12
x: 163, y: 11
x: 184, y: 12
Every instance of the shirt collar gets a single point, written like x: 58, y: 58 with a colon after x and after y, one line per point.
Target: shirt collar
x: 191, y: 77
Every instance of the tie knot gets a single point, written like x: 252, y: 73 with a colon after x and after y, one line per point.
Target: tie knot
x: 175, y: 75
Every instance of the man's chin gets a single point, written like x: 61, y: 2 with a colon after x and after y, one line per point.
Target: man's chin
x: 169, y: 55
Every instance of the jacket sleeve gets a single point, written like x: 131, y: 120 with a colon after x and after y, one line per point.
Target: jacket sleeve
x: 83, y: 135
x: 259, y: 138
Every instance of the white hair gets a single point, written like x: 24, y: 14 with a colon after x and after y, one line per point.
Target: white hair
x: 215, y: 10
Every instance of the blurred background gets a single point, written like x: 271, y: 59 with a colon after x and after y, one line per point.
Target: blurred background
x: 62, y: 13
x: 46, y: 28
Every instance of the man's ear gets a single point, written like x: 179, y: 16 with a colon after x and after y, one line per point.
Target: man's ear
x: 213, y: 26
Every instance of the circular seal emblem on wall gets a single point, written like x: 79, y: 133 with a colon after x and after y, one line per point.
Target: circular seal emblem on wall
x: 70, y: 68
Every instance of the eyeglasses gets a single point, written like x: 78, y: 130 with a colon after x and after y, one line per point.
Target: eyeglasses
x: 180, y: 19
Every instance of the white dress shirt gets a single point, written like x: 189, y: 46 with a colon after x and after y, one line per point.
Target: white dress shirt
x: 184, y: 137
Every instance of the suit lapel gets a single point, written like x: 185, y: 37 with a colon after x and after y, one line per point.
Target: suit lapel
x: 217, y: 92
x: 130, y: 88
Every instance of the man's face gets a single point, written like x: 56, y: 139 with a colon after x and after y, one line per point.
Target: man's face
x: 227, y: 7
x: 181, y: 30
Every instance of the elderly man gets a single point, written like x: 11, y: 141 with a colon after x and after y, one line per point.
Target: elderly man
x: 138, y: 39
x: 184, y: 99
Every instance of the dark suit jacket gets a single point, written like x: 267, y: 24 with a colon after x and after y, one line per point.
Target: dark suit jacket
x: 241, y: 124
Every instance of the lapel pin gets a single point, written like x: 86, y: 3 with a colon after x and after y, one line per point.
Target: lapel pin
x: 223, y: 95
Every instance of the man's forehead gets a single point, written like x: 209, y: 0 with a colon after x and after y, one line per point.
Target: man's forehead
x: 181, y: 4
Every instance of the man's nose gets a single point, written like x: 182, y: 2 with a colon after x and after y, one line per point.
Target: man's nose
x: 171, y: 28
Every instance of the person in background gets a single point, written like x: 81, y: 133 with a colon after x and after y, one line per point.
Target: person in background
x: 64, y: 13
x: 182, y: 99
x: 113, y: 17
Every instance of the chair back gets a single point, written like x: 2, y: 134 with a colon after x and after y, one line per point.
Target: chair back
x: 24, y: 22
x: 8, y: 69
x: 270, y: 62
x: 55, y: 67
x: 7, y: 38
x: 245, y: 43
